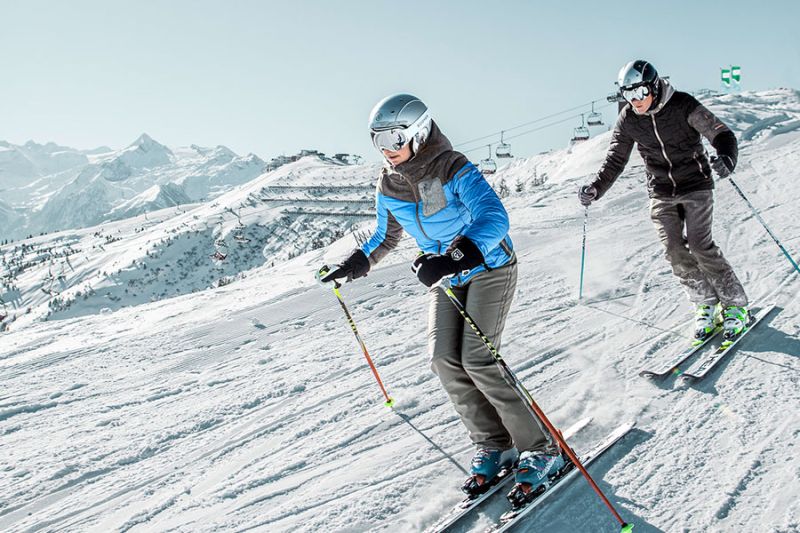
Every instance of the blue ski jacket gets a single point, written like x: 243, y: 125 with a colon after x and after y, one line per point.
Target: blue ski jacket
x: 435, y: 197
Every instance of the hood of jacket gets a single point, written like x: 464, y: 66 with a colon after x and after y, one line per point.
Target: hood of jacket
x: 666, y: 90
x: 416, y: 168
x: 435, y: 159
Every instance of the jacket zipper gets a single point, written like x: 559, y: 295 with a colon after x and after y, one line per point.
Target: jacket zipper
x: 664, y: 152
x: 700, y: 166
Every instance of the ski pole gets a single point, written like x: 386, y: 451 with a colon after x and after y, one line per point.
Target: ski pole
x: 533, y: 407
x: 583, y: 250
x: 761, y: 220
x: 389, y: 401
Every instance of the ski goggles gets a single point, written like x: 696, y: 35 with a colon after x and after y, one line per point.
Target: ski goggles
x: 635, y: 92
x: 392, y: 139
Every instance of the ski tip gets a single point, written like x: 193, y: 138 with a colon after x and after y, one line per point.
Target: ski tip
x: 626, y: 528
x: 389, y: 403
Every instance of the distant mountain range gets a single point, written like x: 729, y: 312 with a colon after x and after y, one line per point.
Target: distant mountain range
x: 47, y: 187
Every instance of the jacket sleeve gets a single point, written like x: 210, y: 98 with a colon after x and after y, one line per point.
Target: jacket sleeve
x: 619, y: 152
x: 718, y: 134
x: 386, y: 235
x: 490, y: 222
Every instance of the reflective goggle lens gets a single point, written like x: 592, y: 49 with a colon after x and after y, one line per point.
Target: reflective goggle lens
x: 393, y: 139
x: 636, y: 93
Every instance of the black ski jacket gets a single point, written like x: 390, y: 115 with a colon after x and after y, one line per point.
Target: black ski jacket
x: 669, y: 142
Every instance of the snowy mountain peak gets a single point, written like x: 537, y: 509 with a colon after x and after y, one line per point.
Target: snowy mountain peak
x: 145, y: 140
x: 252, y: 158
x: 219, y: 152
x: 146, y: 153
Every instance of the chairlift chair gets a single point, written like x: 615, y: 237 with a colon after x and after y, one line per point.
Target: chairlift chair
x: 594, y: 118
x: 581, y: 133
x: 488, y: 166
x: 503, y: 149
x: 220, y: 250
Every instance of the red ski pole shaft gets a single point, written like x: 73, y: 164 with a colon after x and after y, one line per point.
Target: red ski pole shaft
x: 574, y: 458
x: 389, y: 400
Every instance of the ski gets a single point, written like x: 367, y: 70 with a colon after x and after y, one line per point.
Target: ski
x: 702, y: 367
x: 673, y: 367
x: 514, y: 516
x: 465, y: 507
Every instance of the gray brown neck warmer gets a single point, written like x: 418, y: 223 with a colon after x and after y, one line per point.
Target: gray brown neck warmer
x: 435, y: 159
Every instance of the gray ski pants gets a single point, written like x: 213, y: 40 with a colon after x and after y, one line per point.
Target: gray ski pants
x: 488, y: 406
x: 696, y: 260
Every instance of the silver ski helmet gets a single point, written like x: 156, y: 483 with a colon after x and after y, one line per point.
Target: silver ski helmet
x: 637, y: 79
x: 398, y: 120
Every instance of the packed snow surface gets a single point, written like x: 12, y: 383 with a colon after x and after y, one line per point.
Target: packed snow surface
x: 247, y: 405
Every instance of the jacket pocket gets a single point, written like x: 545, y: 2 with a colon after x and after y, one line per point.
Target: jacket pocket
x: 431, y: 192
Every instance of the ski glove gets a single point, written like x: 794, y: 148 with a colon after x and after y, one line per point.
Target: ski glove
x: 587, y: 194
x: 355, y: 266
x: 722, y: 165
x: 462, y: 255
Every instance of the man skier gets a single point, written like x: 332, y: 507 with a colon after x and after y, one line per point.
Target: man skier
x: 667, y: 125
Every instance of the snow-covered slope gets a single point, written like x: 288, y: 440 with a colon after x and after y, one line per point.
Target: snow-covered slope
x: 249, y: 407
x: 155, y: 198
x: 164, y: 253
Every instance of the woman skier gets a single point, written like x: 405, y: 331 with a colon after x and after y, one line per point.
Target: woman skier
x: 666, y: 125
x: 460, y: 225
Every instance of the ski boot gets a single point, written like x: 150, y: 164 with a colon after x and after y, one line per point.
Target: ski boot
x: 534, y: 473
x: 706, y: 320
x: 489, y: 465
x: 736, y: 321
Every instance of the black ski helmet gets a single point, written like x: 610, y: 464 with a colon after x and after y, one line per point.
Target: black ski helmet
x: 637, y: 73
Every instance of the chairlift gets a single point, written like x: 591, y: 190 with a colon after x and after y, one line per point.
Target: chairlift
x: 488, y: 166
x: 47, y: 286
x: 239, y: 237
x: 581, y: 133
x: 503, y: 149
x: 220, y: 250
x: 594, y: 118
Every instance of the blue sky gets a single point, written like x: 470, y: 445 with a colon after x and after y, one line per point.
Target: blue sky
x: 274, y: 77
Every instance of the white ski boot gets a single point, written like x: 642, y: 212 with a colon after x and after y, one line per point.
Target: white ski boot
x: 706, y: 320
x: 736, y: 320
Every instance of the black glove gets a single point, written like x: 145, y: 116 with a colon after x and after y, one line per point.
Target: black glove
x: 355, y: 266
x: 461, y: 255
x: 430, y: 268
x: 722, y: 165
x: 587, y: 194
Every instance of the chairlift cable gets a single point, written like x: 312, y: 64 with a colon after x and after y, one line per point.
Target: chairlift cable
x: 534, y: 121
x: 539, y: 128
